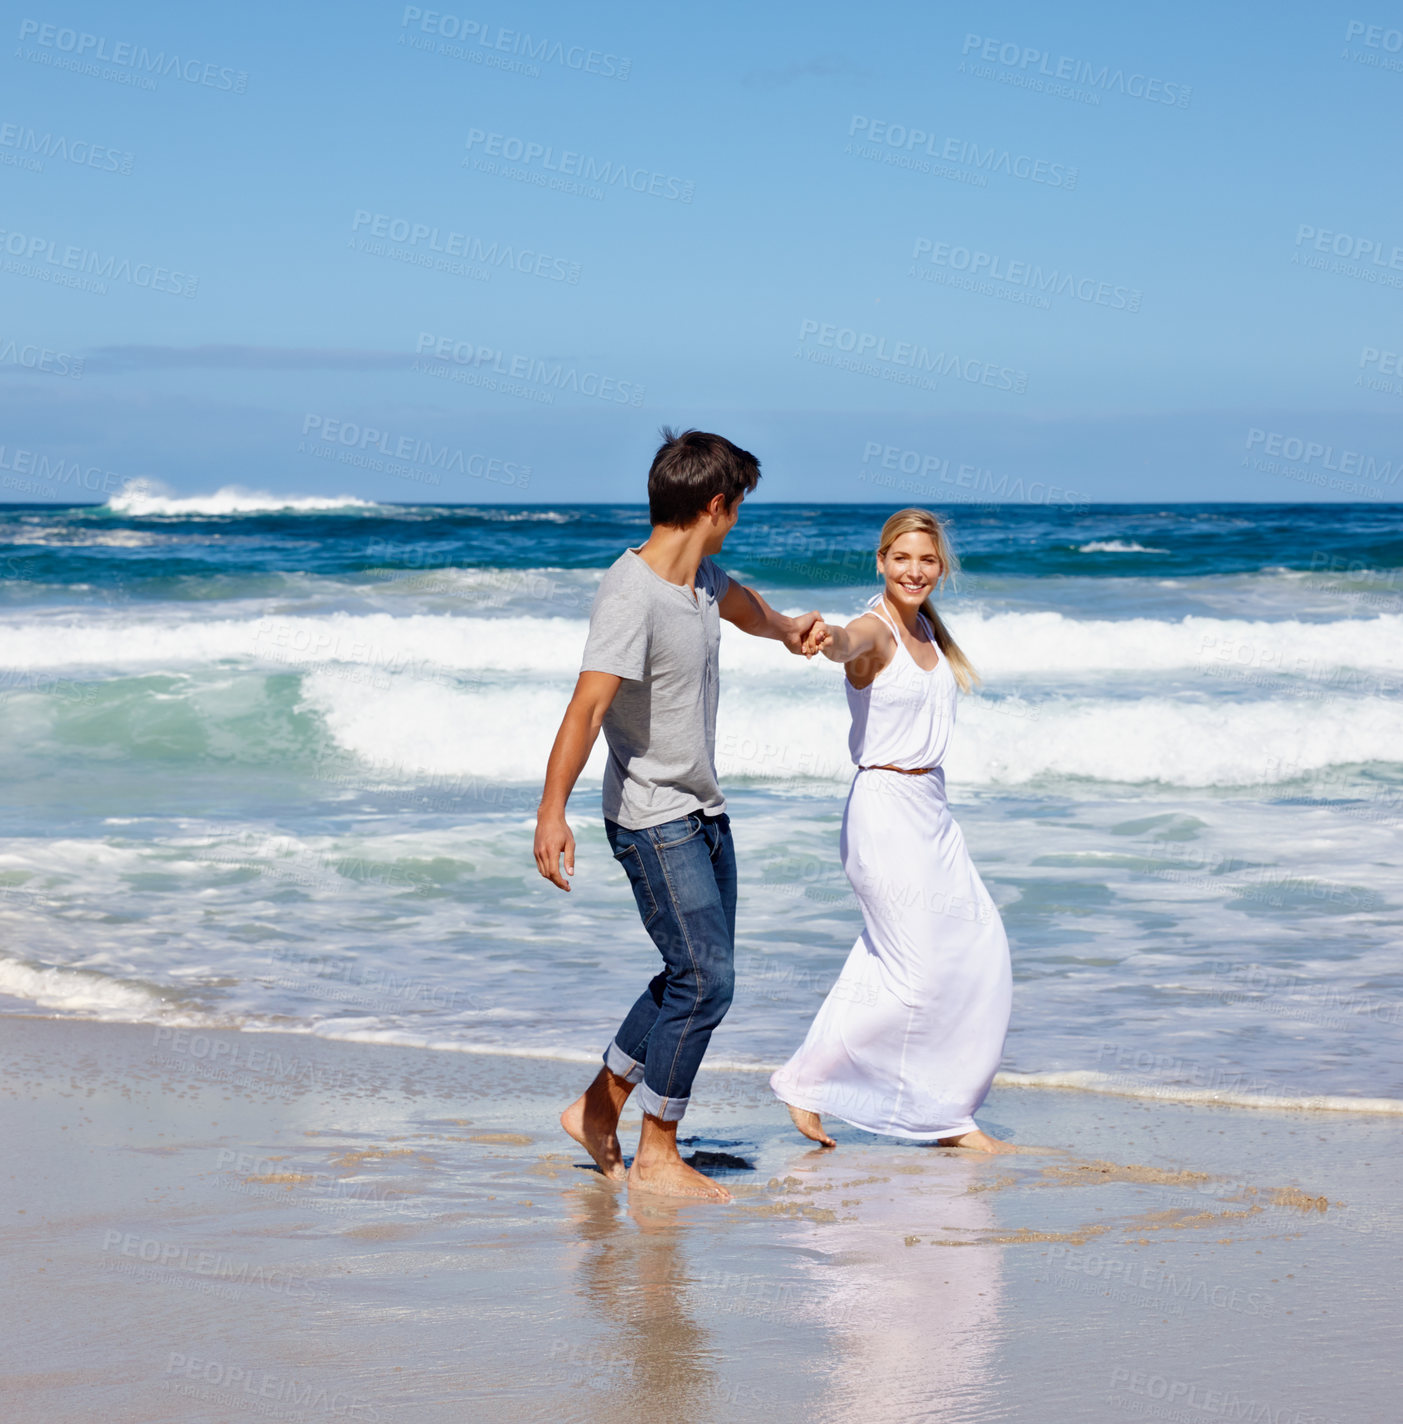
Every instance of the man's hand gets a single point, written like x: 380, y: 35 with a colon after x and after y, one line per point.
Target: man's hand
x: 800, y: 629
x: 594, y: 691
x: 553, y: 839
x: 817, y: 638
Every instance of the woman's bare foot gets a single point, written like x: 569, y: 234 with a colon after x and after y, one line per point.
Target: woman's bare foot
x: 593, y: 1119
x: 978, y: 1142
x: 672, y: 1177
x: 810, y: 1124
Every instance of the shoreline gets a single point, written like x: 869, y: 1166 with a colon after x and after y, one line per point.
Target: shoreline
x: 181, y: 1038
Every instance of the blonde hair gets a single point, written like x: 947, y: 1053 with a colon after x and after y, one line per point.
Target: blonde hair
x: 922, y: 521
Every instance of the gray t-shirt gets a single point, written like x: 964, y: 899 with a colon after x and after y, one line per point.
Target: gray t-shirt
x: 661, y: 726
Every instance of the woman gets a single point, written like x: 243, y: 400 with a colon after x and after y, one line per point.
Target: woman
x: 909, y: 1038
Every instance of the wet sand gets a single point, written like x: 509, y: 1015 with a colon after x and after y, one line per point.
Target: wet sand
x: 223, y: 1226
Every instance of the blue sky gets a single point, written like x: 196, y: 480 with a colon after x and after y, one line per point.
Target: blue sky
x: 822, y: 230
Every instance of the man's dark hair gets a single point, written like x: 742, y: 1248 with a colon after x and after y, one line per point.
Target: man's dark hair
x: 690, y: 470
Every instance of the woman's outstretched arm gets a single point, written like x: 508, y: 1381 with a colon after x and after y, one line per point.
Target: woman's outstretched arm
x: 863, y: 635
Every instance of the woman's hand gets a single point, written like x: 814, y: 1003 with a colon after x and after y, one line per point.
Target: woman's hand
x: 797, y: 632
x: 846, y: 645
x: 817, y: 638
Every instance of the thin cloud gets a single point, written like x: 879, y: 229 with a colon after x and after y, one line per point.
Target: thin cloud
x: 823, y: 67
x: 115, y: 360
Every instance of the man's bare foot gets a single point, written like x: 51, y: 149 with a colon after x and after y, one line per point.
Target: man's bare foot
x: 978, y: 1142
x: 601, y: 1144
x: 657, y: 1166
x: 810, y: 1124
x: 672, y: 1177
x: 593, y: 1119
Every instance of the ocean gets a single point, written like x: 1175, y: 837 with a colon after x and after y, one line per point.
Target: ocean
x: 272, y: 764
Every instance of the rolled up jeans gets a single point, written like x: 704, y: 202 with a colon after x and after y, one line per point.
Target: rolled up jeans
x: 683, y: 875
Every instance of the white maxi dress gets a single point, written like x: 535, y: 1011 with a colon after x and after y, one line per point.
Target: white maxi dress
x: 910, y: 1036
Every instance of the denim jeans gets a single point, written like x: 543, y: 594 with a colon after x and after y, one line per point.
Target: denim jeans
x: 683, y: 875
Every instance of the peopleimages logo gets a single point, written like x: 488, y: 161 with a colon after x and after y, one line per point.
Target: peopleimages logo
x: 494, y: 39
x: 1173, y: 1398
x: 1381, y: 46
x: 1350, y: 246
x: 568, y: 164
x: 448, y: 244
x: 868, y: 346
x: 903, y: 140
x: 1025, y: 59
x: 1375, y: 36
x: 42, y: 257
x: 32, y: 147
x: 495, y: 369
x: 40, y: 358
x: 94, y: 49
x: 1387, y: 363
x: 992, y: 268
x: 414, y: 450
x: 56, y: 470
x: 1305, y: 453
x: 923, y: 469
x: 1158, y: 1282
x: 1376, y: 366
x: 216, y: 1381
x: 219, y: 1266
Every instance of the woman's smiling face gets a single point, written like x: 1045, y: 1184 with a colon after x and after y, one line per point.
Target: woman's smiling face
x: 911, y: 568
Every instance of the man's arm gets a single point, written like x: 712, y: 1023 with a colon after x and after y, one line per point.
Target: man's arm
x: 594, y: 691
x: 751, y: 614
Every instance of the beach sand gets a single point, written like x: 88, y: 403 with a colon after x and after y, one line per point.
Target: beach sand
x: 220, y: 1226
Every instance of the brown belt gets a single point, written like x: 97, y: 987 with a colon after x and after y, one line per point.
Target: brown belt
x: 905, y: 771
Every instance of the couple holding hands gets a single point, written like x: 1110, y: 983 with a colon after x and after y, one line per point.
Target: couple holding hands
x: 908, y: 1040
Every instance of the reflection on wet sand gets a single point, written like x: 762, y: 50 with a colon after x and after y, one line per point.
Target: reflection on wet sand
x: 656, y: 1359
x: 840, y: 1277
x: 913, y: 1326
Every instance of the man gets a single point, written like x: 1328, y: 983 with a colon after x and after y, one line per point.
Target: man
x: 649, y: 678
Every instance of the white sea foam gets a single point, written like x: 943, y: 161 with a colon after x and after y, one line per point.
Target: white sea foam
x: 529, y: 516
x: 483, y: 697
x: 377, y: 640
x: 1089, y: 1081
x: 1172, y: 741
x: 1117, y: 546
x: 145, y: 498
x: 80, y: 992
x: 1002, y: 645
x: 67, y: 536
x: 766, y: 733
x: 434, y: 730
